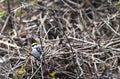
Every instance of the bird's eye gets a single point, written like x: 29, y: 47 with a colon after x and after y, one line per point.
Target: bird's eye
x: 38, y: 49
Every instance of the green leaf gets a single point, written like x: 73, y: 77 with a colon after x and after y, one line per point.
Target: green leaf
x: 32, y: 2
x: 18, y: 12
x: 80, y: 26
x: 118, y: 5
x: 2, y: 13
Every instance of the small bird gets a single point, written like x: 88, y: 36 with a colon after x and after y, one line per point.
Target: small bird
x: 36, y: 50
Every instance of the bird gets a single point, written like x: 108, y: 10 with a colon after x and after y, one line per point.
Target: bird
x: 36, y: 50
x: 35, y: 46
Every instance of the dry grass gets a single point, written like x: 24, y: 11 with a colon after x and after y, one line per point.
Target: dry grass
x: 79, y: 39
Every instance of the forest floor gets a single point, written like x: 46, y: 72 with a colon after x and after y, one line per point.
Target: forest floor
x: 79, y: 39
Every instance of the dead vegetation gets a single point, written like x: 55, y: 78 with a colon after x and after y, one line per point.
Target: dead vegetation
x: 79, y: 39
